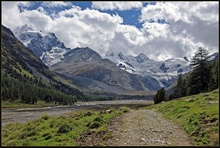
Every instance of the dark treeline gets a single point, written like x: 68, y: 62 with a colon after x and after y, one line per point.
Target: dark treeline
x: 13, y: 89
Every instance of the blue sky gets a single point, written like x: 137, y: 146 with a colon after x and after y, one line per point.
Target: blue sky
x: 130, y: 17
x: 161, y: 30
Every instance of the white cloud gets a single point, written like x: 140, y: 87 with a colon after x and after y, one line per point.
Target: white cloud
x: 10, y: 9
x: 133, y: 35
x: 116, y: 5
x: 55, y: 4
x: 184, y: 11
x: 86, y: 28
x: 191, y: 24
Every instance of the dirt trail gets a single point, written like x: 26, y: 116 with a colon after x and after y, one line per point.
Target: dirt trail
x: 146, y: 128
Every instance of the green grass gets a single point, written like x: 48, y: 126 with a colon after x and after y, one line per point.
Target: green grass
x: 198, y: 115
x: 58, y: 131
x: 39, y: 104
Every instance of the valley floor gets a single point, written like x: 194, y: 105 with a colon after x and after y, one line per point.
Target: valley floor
x: 142, y: 128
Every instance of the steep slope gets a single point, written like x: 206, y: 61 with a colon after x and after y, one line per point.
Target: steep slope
x: 14, y: 52
x: 45, y: 45
x: 86, y: 63
x: 25, y: 77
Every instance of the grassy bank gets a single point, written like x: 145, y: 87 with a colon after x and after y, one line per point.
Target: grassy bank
x: 39, y: 104
x: 198, y: 115
x: 59, y: 131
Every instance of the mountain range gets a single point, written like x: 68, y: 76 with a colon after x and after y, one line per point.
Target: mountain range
x: 115, y: 72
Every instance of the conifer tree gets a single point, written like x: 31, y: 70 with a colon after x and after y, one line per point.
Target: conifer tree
x: 199, y: 78
x: 160, y: 96
x: 213, y: 80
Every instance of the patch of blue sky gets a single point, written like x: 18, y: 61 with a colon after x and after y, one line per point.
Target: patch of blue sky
x: 32, y: 6
x: 82, y: 4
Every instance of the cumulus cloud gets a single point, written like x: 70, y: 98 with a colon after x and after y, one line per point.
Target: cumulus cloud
x: 10, y: 9
x: 187, y: 25
x: 116, y: 5
x: 55, y: 4
x: 191, y: 24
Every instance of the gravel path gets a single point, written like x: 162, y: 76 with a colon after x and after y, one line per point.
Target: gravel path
x: 146, y: 128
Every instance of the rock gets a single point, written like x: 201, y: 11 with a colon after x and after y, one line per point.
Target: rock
x: 190, y: 100
x: 143, y: 139
x: 162, y: 102
x: 209, y: 98
x: 213, y: 102
x: 108, y: 111
x: 216, y: 91
x: 168, y: 143
x: 207, y: 94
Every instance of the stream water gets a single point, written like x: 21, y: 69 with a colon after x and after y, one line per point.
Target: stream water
x: 22, y: 115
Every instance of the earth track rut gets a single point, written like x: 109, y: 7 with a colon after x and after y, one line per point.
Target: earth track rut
x: 146, y: 128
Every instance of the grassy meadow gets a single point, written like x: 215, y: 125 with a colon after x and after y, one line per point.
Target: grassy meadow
x: 198, y: 115
x: 59, y: 131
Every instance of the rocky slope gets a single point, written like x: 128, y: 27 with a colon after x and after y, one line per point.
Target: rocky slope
x: 87, y: 67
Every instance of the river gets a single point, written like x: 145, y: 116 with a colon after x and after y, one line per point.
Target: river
x: 22, y: 115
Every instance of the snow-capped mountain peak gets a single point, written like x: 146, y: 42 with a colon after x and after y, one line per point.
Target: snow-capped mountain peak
x: 159, y: 74
x: 24, y: 28
x: 45, y: 45
x: 153, y: 74
x: 141, y: 58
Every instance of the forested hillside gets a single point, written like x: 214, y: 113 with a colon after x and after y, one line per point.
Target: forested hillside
x: 26, y: 79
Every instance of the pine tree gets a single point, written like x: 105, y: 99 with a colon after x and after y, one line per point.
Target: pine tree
x: 184, y: 88
x: 199, y: 78
x: 160, y: 96
x: 213, y: 80
x: 180, y: 89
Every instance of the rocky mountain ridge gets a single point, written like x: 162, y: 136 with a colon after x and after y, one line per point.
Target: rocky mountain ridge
x: 115, y: 69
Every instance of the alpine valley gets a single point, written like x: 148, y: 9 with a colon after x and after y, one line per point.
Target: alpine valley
x: 115, y: 72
